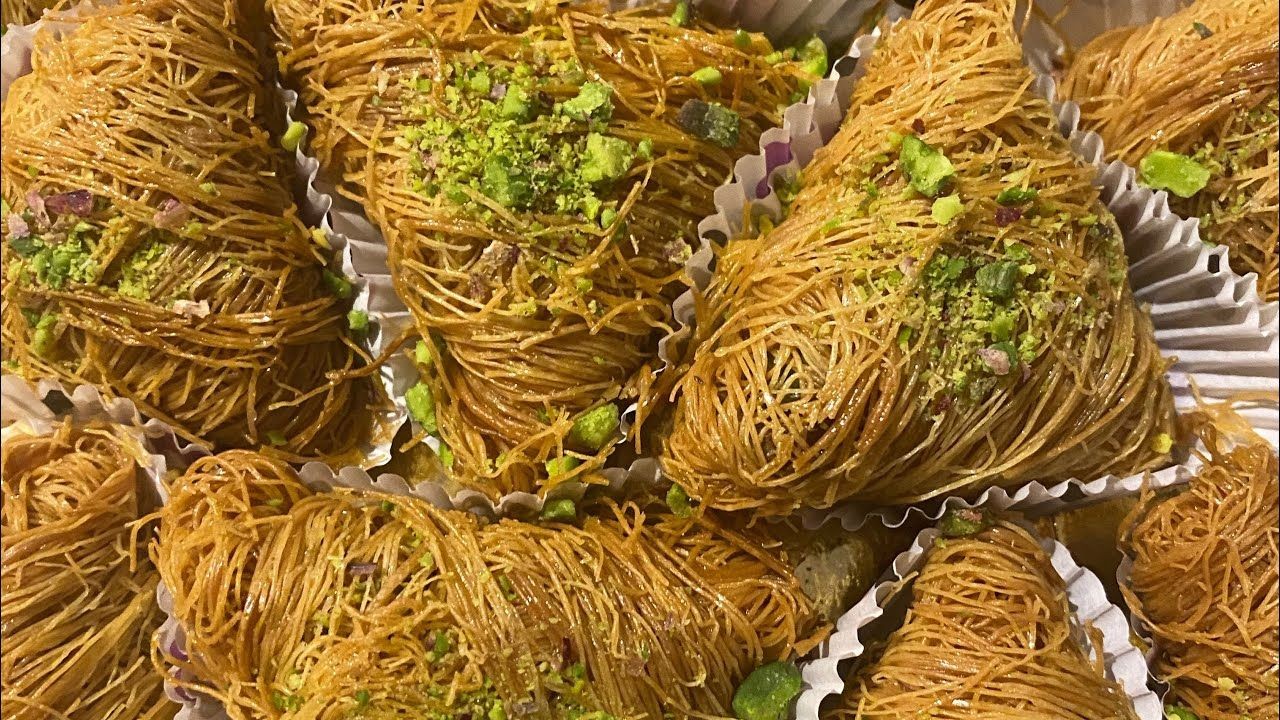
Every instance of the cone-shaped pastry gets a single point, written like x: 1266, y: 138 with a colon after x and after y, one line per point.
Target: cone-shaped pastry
x: 1204, y: 578
x: 79, y: 603
x: 538, y: 171
x: 1190, y: 100
x: 331, y: 603
x: 152, y: 245
x: 988, y: 634
x: 945, y: 308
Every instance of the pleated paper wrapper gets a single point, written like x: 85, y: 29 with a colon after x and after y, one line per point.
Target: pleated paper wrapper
x: 36, y: 408
x: 1224, y: 334
x: 872, y: 619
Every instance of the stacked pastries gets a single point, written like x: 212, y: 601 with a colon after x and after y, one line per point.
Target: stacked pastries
x: 943, y: 309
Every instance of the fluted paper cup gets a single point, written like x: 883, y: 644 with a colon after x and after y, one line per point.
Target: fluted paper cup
x: 35, y: 409
x: 1207, y: 316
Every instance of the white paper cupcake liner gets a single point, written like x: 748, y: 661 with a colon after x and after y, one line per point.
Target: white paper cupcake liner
x: 1223, y: 338
x: 863, y: 623
x: 362, y: 252
x: 37, y: 408
x: 16, y: 48
x: 807, y: 125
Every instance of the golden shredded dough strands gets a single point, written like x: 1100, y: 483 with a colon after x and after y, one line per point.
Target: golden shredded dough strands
x: 325, y: 604
x: 1204, y: 578
x: 536, y: 233
x: 988, y: 634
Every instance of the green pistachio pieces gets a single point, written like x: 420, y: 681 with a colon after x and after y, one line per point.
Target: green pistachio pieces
x: 422, y: 406
x: 926, y: 169
x: 1179, y: 174
x: 561, y: 510
x: 678, y: 502
x: 595, y: 428
x: 766, y: 693
x: 945, y: 209
x: 963, y: 522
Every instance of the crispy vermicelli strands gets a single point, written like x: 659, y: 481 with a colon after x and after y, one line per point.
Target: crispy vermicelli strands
x: 1202, y: 82
x: 322, y: 602
x: 79, y: 607
x: 1204, y: 577
x: 23, y: 12
x: 988, y: 634
x: 889, y: 347
x: 154, y: 250
x: 540, y: 307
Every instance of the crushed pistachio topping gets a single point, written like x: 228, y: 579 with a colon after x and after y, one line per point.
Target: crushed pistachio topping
x: 680, y: 15
x: 1226, y: 198
x: 712, y: 122
x: 53, y: 251
x: 945, y: 209
x: 707, y: 76
x: 928, y: 171
x: 963, y: 522
x: 293, y: 136
x: 561, y: 466
x: 595, y: 428
x: 358, y: 320
x: 421, y: 405
x: 560, y: 510
x: 999, y: 313
x: 142, y: 269
x: 511, y: 136
x: 338, y: 285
